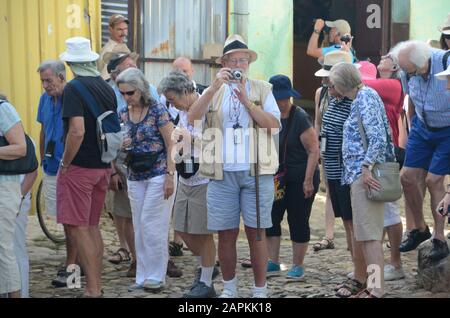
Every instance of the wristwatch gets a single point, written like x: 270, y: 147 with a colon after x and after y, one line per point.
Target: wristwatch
x: 317, y: 31
x: 170, y: 173
x: 63, y: 165
x: 367, y: 166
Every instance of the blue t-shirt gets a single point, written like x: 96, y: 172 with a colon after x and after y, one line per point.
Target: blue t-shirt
x: 50, y: 117
x: 333, y: 48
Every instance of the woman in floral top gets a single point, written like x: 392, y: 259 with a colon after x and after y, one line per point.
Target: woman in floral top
x: 150, y: 190
x: 368, y: 216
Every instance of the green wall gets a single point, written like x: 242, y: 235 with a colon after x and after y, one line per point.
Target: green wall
x: 270, y: 34
x: 426, y: 17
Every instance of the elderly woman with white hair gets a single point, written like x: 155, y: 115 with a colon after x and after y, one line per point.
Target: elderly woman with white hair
x: 367, y: 110
x: 151, y: 177
x: 428, y: 150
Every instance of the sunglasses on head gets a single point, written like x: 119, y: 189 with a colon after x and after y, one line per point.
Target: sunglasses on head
x: 130, y: 93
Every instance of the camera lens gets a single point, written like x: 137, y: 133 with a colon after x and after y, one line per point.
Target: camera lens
x: 237, y: 75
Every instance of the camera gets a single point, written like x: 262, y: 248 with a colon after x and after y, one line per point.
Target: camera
x: 50, y: 149
x: 236, y: 74
x: 346, y: 38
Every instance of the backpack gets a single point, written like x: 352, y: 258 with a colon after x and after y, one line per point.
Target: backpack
x: 109, y: 135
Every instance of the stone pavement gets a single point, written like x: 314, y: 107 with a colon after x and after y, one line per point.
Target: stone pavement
x: 324, y: 269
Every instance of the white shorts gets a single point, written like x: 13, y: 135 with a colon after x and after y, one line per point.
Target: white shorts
x: 392, y: 214
x: 49, y: 189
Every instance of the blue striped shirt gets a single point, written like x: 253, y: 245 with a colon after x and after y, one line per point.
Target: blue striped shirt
x: 430, y: 97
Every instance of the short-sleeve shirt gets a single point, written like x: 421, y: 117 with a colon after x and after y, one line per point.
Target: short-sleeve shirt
x: 297, y: 156
x: 74, y: 105
x: 148, y: 138
x: 8, y: 119
x: 236, y: 157
x: 431, y: 97
x: 50, y: 117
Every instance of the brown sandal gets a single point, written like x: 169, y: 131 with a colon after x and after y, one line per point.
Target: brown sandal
x: 122, y: 255
x: 325, y: 244
x: 365, y: 294
x: 352, y: 286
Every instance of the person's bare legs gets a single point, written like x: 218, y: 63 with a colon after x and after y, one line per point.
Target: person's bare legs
x: 273, y: 248
x: 359, y: 265
x: 330, y: 219
x: 120, y: 223
x: 258, y: 255
x: 413, y: 181
x: 298, y: 253
x: 227, y: 253
x: 436, y: 187
x: 71, y: 250
x: 90, y: 255
x: 348, y: 226
x: 395, y: 233
x: 203, y: 246
x: 373, y: 254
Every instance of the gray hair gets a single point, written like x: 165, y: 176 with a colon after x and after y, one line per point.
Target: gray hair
x: 345, y: 76
x: 176, y: 82
x: 419, y: 52
x: 135, y: 78
x: 3, y: 97
x: 57, y: 68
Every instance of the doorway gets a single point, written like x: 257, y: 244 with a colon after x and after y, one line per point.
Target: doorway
x: 370, y: 41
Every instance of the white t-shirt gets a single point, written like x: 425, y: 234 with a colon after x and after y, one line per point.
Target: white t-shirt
x: 236, y: 157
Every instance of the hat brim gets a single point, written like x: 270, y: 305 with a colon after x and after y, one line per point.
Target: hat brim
x: 253, y: 55
x: 446, y: 31
x: 91, y: 57
x: 325, y: 73
x: 330, y: 24
x: 109, y: 55
x: 281, y: 95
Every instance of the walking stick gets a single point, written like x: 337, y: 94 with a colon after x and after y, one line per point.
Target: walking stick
x: 258, y: 211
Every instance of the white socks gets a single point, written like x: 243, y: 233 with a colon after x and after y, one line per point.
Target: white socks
x: 231, y: 285
x: 260, y: 292
x: 206, y: 276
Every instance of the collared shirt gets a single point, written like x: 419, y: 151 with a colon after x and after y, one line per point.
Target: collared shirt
x: 430, y: 96
x: 8, y: 119
x: 370, y: 108
x: 109, y: 47
x: 236, y: 157
x: 50, y: 117
x: 121, y: 102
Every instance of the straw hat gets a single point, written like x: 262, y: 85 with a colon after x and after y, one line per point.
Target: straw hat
x: 235, y: 43
x: 333, y: 58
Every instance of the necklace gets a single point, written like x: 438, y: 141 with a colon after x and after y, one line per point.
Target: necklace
x: 140, y: 115
x: 234, y: 113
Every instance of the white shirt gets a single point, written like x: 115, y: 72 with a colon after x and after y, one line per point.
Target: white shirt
x: 184, y: 123
x: 236, y: 157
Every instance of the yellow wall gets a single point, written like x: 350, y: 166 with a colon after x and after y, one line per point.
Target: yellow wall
x: 32, y: 31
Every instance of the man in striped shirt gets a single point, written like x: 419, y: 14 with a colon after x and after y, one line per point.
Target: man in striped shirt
x: 428, y: 149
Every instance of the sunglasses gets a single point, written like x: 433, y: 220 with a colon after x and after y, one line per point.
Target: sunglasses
x: 130, y: 93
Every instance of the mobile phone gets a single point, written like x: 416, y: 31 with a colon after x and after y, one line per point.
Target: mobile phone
x: 50, y: 149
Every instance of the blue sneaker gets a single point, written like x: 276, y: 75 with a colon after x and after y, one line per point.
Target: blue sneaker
x: 272, y: 268
x: 296, y: 273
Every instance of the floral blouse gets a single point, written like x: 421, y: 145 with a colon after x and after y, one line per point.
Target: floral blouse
x: 147, y: 138
x: 375, y: 123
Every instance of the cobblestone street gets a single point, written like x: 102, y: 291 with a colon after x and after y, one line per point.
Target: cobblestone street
x: 324, y: 269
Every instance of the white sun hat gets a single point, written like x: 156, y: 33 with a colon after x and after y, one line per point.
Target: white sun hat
x: 78, y: 51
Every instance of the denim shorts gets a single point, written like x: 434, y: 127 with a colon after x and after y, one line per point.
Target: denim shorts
x: 236, y: 193
x: 428, y: 150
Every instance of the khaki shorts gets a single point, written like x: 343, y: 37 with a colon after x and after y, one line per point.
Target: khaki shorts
x: 190, y: 211
x: 121, y: 202
x: 368, y: 216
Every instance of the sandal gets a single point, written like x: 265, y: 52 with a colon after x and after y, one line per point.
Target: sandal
x: 246, y: 263
x: 132, y: 270
x: 175, y: 249
x: 122, y: 255
x: 325, y: 244
x: 352, y: 286
x: 365, y: 294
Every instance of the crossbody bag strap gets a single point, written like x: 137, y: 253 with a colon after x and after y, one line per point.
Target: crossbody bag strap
x: 91, y: 103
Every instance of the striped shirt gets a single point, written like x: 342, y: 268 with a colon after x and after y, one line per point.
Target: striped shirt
x: 332, y: 129
x: 430, y: 97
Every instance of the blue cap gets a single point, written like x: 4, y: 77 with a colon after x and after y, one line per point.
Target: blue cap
x: 282, y: 88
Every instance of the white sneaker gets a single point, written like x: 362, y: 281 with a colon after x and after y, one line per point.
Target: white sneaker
x: 391, y: 273
x: 228, y: 293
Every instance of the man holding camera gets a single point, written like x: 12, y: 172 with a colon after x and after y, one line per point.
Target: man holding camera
x: 339, y: 37
x: 233, y: 106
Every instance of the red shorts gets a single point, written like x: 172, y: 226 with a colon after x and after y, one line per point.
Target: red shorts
x: 81, y: 195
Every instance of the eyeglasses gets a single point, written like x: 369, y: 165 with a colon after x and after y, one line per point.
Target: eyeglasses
x: 130, y: 93
x: 238, y: 61
x: 331, y: 86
